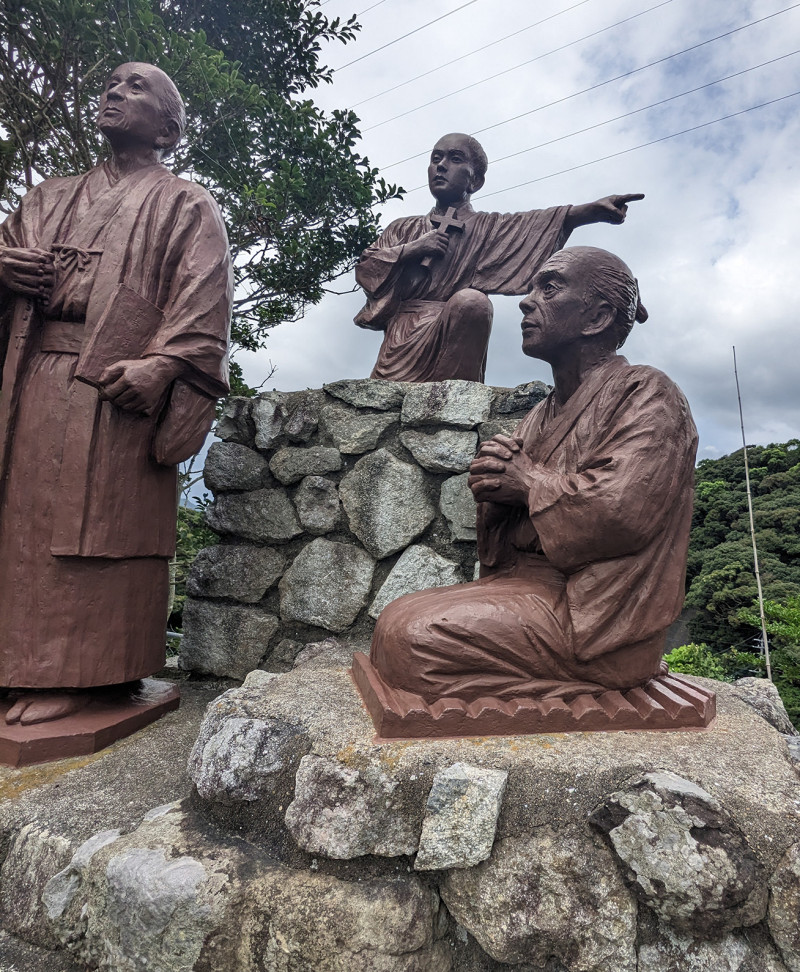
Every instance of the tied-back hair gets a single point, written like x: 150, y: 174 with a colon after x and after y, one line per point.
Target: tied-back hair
x: 610, y: 279
x: 173, y: 110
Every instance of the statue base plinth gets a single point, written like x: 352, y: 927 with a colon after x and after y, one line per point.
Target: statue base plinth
x: 667, y: 702
x: 111, y: 715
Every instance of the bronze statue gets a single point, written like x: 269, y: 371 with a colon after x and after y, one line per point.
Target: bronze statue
x: 583, y: 525
x: 427, y: 277
x: 115, y: 295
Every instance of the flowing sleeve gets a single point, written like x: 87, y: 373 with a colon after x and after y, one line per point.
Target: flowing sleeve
x: 516, y: 245
x: 620, y: 497
x: 379, y: 272
x: 197, y: 306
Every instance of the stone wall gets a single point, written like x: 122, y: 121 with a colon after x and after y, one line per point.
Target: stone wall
x: 330, y: 503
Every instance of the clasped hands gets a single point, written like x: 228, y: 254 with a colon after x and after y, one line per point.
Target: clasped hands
x: 29, y: 271
x: 501, y: 472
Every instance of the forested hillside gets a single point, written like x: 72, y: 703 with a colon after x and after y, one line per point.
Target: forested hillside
x: 721, y: 584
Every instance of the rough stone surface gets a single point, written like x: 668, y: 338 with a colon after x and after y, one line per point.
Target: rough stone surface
x: 460, y: 817
x: 317, y: 504
x: 762, y: 695
x: 343, y: 812
x: 224, y: 639
x: 462, y: 404
x: 235, y: 423
x: 291, y: 464
x: 519, y: 399
x: 237, y: 758
x: 302, y: 414
x: 243, y: 572
x: 230, y: 466
x: 32, y: 856
x: 417, y: 569
x: 369, y: 393
x: 673, y: 952
x: 501, y: 426
x: 267, y: 413
x: 459, y: 507
x: 533, y: 900
x: 266, y: 515
x: 330, y: 653
x: 327, y: 584
x: 386, y: 502
x: 446, y: 451
x: 784, y: 907
x: 353, y: 433
x: 683, y: 854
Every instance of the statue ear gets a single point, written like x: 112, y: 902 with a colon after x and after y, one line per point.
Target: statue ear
x: 169, y: 135
x: 601, y: 317
x: 476, y: 184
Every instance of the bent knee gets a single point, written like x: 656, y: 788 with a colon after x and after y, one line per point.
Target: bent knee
x: 472, y: 303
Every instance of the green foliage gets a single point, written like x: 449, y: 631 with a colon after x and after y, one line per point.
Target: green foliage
x: 720, y: 575
x: 783, y: 632
x: 193, y: 535
x: 695, y: 659
x: 296, y: 196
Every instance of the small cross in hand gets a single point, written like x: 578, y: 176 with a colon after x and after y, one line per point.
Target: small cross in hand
x: 449, y: 224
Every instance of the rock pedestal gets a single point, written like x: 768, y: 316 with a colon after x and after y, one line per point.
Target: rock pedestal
x: 305, y: 846
x: 330, y: 503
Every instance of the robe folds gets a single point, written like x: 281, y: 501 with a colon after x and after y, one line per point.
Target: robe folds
x: 576, y: 589
x: 496, y: 253
x: 88, y: 491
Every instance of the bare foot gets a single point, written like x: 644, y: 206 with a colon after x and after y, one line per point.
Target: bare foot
x: 33, y: 707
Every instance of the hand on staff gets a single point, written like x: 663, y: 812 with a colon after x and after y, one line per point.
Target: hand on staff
x: 29, y: 271
x: 501, y: 472
x: 139, y: 385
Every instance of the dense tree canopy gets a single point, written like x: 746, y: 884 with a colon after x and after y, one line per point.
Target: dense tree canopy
x: 720, y: 577
x: 296, y: 195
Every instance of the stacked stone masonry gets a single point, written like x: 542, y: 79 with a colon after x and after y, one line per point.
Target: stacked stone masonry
x: 330, y: 503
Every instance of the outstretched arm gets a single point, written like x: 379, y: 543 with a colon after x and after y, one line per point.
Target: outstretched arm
x: 609, y: 209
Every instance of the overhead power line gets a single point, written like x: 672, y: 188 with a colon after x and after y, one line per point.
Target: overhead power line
x: 601, y: 84
x: 416, y: 30
x: 516, y: 67
x: 635, y: 148
x: 628, y: 114
x: 477, y: 50
x: 372, y: 7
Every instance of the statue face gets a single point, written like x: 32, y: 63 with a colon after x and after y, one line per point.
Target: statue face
x: 556, y: 310
x: 130, y: 105
x: 451, y: 175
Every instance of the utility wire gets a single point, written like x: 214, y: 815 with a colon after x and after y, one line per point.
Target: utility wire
x: 516, y: 67
x: 600, y: 84
x: 374, y: 5
x: 462, y: 57
x: 655, y: 141
x: 628, y: 114
x: 416, y: 30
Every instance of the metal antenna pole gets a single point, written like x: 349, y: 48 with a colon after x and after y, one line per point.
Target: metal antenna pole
x: 765, y: 641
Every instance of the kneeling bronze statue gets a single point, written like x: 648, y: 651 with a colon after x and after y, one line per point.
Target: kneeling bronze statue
x: 583, y: 529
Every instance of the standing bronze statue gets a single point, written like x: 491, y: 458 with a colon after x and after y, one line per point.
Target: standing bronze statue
x: 115, y: 293
x: 583, y: 530
x: 427, y: 277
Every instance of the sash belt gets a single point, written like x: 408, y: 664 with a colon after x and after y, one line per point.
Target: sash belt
x: 64, y: 337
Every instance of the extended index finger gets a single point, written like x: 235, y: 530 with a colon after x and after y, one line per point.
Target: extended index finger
x: 629, y: 197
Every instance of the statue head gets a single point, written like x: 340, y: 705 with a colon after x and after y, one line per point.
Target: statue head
x: 140, y: 104
x: 457, y: 168
x: 580, y: 294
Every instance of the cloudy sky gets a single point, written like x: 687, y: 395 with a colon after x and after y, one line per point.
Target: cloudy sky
x: 577, y: 100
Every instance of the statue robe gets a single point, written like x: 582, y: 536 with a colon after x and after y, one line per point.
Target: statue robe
x: 578, y: 588
x: 88, y: 491
x: 496, y: 253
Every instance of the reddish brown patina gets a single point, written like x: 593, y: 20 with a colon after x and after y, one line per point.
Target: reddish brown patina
x: 427, y: 277
x: 583, y: 529
x: 120, y: 277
